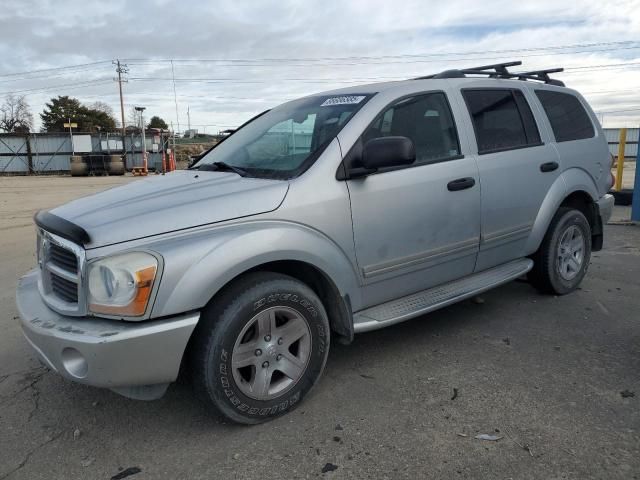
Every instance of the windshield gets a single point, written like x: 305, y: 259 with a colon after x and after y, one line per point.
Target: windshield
x: 285, y: 141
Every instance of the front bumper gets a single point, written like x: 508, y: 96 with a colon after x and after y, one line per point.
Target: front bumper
x: 135, y: 359
x: 605, y: 207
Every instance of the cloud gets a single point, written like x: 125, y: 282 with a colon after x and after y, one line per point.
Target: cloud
x: 46, y: 34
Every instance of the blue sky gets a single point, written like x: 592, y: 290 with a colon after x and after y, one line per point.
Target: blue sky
x: 268, y: 52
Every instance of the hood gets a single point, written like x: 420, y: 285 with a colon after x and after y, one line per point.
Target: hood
x: 176, y: 201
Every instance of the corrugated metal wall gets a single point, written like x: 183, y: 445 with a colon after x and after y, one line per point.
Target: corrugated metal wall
x: 631, y: 148
x: 51, y: 152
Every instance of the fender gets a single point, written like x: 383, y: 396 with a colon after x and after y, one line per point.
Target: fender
x: 218, y: 256
x: 571, y: 180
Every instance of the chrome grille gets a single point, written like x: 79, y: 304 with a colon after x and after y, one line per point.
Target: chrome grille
x: 61, y: 267
x: 63, y: 258
x: 63, y: 288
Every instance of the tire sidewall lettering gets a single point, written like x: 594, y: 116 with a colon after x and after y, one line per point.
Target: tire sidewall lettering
x: 285, y: 297
x: 224, y: 370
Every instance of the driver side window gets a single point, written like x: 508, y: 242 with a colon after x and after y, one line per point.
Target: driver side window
x: 425, y: 119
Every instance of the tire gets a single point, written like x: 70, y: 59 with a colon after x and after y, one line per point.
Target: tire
x: 230, y: 350
x: 559, y: 269
x: 78, y: 169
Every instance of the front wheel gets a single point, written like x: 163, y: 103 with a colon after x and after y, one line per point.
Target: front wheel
x: 260, y: 347
x: 562, y: 260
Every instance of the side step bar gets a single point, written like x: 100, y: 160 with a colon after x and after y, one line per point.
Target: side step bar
x: 434, y: 298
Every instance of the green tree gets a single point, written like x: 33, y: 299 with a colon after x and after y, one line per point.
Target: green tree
x: 157, y: 122
x: 59, y: 110
x: 97, y: 119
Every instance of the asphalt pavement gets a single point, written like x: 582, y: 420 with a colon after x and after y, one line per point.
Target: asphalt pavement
x: 553, y: 381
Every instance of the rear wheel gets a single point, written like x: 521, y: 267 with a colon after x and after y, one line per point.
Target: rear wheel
x: 562, y: 260
x: 260, y: 347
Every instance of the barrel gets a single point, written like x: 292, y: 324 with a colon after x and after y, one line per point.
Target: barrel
x: 116, y: 168
x: 78, y: 169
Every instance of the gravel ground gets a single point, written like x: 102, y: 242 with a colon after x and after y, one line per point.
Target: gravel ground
x: 556, y: 379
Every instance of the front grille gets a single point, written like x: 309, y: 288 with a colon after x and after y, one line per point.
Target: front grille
x: 63, y: 258
x: 61, y: 263
x: 63, y: 288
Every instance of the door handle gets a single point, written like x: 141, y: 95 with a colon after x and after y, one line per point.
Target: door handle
x: 461, y: 184
x: 549, y: 167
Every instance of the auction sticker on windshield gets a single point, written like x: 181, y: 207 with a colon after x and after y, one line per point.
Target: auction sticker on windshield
x: 343, y: 100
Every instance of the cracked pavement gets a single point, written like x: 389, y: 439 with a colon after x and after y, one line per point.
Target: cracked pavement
x: 556, y: 379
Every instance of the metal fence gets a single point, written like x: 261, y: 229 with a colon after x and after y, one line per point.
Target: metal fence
x: 631, y: 148
x: 40, y: 153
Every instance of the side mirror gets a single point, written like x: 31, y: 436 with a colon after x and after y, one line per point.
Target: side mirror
x: 388, y: 152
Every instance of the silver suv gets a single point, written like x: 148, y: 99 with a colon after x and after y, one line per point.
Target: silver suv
x: 334, y: 214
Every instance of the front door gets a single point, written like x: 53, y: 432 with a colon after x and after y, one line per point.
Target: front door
x: 416, y: 226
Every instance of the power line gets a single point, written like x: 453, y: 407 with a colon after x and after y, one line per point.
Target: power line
x: 349, y: 64
x: 628, y: 43
x: 55, y: 68
x: 236, y: 80
x: 53, y: 74
x: 86, y: 83
x: 101, y: 81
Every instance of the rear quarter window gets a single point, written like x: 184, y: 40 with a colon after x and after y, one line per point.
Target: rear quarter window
x: 567, y: 116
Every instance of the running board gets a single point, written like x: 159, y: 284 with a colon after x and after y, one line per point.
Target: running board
x: 434, y: 298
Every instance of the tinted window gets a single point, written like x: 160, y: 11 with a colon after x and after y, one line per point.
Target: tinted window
x: 567, y: 116
x: 426, y: 120
x: 502, y: 119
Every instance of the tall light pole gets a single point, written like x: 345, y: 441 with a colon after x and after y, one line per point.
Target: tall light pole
x: 144, y: 140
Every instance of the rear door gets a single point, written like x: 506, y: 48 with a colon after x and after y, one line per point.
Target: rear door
x: 517, y: 169
x: 415, y: 227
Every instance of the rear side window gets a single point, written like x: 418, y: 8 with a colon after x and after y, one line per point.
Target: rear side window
x: 502, y: 119
x: 569, y: 121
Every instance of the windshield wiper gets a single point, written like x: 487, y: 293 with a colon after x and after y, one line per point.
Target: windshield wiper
x: 224, y: 166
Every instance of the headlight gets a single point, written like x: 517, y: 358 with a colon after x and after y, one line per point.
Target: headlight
x: 122, y: 284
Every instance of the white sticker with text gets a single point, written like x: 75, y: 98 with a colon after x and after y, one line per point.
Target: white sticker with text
x: 343, y: 100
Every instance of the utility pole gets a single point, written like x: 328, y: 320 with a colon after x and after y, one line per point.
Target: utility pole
x: 120, y: 69
x: 175, y: 96
x: 188, y: 120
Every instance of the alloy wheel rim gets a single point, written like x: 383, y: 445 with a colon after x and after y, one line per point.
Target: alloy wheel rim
x: 271, y: 353
x: 570, y: 253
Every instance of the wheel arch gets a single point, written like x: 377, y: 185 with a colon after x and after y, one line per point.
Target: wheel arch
x: 338, y: 307
x: 290, y: 249
x: 574, y: 188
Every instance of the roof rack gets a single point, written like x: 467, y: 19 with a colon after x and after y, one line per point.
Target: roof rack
x: 499, y: 70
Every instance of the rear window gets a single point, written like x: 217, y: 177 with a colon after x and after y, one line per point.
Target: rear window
x: 568, y: 118
x: 502, y: 119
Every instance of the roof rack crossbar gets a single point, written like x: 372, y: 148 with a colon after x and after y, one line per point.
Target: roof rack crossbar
x: 499, y: 70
